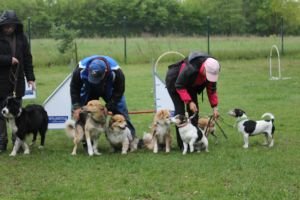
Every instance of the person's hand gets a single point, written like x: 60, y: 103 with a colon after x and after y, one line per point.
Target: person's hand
x: 76, y: 113
x: 14, y: 61
x: 216, y: 113
x: 31, y: 84
x: 193, y: 107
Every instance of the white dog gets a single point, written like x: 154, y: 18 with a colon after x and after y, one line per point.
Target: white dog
x: 250, y: 127
x: 190, y: 135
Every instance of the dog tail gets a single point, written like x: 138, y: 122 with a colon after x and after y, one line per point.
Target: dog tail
x: 146, y: 141
x: 70, y: 128
x: 270, y: 115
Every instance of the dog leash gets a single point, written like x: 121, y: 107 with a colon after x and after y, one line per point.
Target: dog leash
x: 221, y: 129
x: 15, y: 79
x: 210, y: 118
x: 194, y: 115
x: 219, y: 126
x: 222, y: 119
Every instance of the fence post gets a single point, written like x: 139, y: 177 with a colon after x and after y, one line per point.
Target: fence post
x: 125, y: 44
x: 281, y: 32
x: 208, y: 34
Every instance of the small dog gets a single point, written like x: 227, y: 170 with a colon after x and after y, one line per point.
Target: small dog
x: 190, y: 135
x: 160, y: 135
x: 23, y: 121
x: 119, y: 135
x: 207, y: 126
x: 250, y: 127
x: 91, y: 124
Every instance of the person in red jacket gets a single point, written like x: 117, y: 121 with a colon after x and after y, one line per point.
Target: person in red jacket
x: 188, y: 78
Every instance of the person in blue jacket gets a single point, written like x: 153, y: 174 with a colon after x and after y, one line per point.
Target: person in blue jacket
x: 99, y: 76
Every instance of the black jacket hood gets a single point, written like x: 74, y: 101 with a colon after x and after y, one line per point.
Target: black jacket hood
x: 10, y: 17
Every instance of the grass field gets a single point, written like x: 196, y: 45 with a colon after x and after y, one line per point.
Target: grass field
x: 227, y: 172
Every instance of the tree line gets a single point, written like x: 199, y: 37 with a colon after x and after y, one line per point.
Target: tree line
x: 114, y: 18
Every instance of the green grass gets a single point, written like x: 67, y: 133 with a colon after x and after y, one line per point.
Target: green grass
x: 227, y: 172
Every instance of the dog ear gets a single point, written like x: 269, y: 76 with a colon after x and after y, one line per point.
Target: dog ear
x: 239, y: 112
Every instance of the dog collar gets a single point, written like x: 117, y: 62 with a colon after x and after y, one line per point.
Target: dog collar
x: 98, y: 122
x: 240, y: 119
x: 182, y: 125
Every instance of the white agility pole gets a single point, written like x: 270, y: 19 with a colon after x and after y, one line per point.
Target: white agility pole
x: 279, y: 66
x: 161, y: 96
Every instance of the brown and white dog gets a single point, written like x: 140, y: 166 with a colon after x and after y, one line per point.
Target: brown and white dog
x: 207, y: 126
x: 160, y: 135
x: 90, y: 125
x: 119, y: 135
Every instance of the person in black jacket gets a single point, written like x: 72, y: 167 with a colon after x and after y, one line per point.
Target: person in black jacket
x: 99, y: 76
x: 188, y: 78
x: 15, y: 62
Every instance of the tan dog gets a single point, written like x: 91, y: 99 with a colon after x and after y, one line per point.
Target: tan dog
x: 119, y: 135
x: 207, y: 126
x: 160, y: 132
x: 91, y: 124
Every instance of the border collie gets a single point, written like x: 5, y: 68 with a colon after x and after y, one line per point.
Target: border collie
x: 31, y: 119
x: 250, y: 127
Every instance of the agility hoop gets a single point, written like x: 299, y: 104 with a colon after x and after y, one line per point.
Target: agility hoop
x: 162, y: 99
x: 279, y: 67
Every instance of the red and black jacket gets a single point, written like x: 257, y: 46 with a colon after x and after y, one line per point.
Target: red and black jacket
x: 189, y: 77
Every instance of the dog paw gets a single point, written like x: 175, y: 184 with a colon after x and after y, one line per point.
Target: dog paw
x: 97, y: 153
x: 73, y: 153
x: 41, y: 147
x: 124, y: 153
x: 12, y: 154
x: 91, y: 153
x: 245, y: 146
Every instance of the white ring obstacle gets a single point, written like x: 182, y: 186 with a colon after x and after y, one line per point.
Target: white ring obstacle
x: 161, y: 96
x: 164, y: 54
x: 279, y: 67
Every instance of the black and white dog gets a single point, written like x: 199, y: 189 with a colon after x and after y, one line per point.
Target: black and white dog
x: 250, y: 127
x: 23, y: 121
x: 191, y: 136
